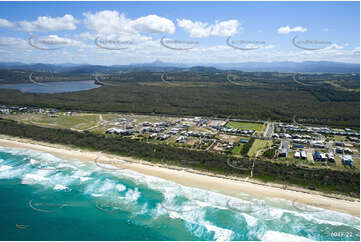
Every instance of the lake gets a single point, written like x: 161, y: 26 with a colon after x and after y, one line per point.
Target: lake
x: 52, y: 87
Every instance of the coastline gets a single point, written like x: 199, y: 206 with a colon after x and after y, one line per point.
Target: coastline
x: 231, y: 186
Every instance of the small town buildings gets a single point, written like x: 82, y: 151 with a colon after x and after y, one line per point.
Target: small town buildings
x: 347, y: 160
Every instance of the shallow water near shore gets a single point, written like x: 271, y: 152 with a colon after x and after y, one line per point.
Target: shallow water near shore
x: 48, y: 198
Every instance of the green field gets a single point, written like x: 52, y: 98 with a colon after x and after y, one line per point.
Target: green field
x: 245, y: 126
x: 258, y: 145
x: 76, y: 121
x: 237, y: 149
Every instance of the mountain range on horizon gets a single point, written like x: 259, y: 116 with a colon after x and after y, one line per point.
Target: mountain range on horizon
x: 158, y: 65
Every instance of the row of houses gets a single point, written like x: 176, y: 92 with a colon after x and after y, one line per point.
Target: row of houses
x: 318, y: 156
x: 320, y: 130
x: 227, y: 130
x: 119, y: 131
x: 340, y: 150
x: 19, y: 109
x: 300, y: 154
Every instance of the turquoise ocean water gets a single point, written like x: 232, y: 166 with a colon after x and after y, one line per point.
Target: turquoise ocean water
x: 47, y: 198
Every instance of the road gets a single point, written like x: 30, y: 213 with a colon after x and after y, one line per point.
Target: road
x: 269, y: 130
x: 285, y: 143
x: 329, y: 147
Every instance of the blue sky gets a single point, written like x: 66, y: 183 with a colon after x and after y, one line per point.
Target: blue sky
x: 265, y: 29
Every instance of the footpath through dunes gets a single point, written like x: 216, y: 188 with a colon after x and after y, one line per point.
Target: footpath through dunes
x: 227, y: 185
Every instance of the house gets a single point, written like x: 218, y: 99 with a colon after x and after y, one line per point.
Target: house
x: 317, y: 156
x: 303, y: 154
x: 317, y: 144
x: 146, y: 124
x: 348, y: 151
x: 153, y: 135
x: 163, y: 137
x: 181, y: 139
x: 298, y: 146
x: 283, y: 152
x: 347, y: 160
x: 119, y: 131
x: 330, y: 157
x: 275, y: 136
x: 339, y: 143
x: 297, y: 155
x: 339, y: 150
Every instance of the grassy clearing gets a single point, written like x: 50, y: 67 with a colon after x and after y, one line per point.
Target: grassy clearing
x: 77, y: 121
x: 246, y: 126
x: 339, y: 138
x: 237, y: 149
x: 258, y: 145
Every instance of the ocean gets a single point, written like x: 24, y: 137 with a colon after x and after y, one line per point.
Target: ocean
x: 47, y: 198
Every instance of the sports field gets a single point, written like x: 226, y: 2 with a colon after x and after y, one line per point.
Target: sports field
x: 246, y: 126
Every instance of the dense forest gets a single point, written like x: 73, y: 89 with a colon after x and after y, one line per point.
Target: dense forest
x: 343, y: 182
x: 257, y: 96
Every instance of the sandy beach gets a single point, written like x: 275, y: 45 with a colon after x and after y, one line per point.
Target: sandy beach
x: 231, y: 186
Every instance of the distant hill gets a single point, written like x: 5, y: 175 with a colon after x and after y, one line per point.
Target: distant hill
x: 307, y: 66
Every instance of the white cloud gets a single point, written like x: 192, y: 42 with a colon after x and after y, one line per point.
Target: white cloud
x: 287, y: 29
x: 225, y: 28
x: 356, y: 50
x: 154, y: 24
x: 334, y: 47
x: 44, y: 24
x: 13, y: 42
x: 195, y: 29
x: 6, y: 23
x: 200, y: 29
x: 115, y: 23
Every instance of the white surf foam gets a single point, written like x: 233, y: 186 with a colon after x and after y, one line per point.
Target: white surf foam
x: 5, y: 167
x: 60, y: 187
x: 33, y: 178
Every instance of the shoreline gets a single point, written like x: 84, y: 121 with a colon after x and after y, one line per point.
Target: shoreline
x: 231, y: 186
